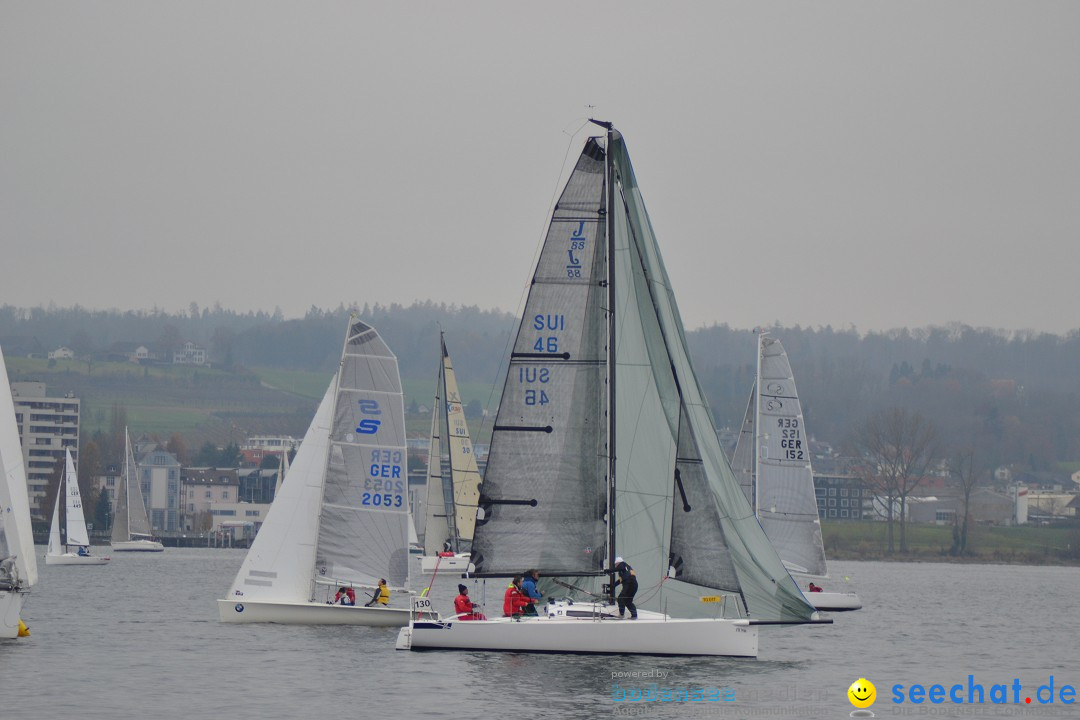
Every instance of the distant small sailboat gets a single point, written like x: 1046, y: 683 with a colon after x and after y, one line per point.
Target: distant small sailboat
x: 342, y: 517
x: 778, y: 479
x: 131, y: 530
x: 451, y: 511
x: 75, y: 535
x: 18, y: 566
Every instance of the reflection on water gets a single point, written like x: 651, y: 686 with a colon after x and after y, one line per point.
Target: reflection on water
x: 141, y: 636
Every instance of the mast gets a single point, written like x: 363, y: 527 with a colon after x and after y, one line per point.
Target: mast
x: 609, y: 230
x: 757, y: 435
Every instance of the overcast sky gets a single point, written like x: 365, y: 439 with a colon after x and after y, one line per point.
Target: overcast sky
x: 858, y: 163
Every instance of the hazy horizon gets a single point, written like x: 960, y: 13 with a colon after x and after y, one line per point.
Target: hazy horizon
x: 840, y: 163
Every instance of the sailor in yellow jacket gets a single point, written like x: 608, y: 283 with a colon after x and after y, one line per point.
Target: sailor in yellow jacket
x: 381, y: 596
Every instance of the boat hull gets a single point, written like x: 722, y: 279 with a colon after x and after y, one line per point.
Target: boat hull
x: 75, y: 559
x: 138, y: 546
x: 450, y: 564
x: 310, y: 613
x: 834, y: 602
x: 11, y: 602
x: 644, y: 636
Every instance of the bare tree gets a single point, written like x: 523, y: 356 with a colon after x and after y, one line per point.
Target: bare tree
x: 899, y: 447
x: 968, y: 469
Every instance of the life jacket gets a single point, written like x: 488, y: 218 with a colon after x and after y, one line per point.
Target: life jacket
x: 514, y: 601
x: 384, y: 595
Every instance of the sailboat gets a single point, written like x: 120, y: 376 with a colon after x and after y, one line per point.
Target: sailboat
x: 603, y: 446
x: 18, y: 567
x: 75, y: 535
x: 341, y: 519
x: 131, y: 530
x: 451, y: 511
x: 778, y: 479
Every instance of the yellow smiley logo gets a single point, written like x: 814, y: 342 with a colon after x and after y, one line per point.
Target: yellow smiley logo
x: 862, y: 693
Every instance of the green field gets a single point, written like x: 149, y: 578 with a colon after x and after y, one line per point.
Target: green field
x: 867, y: 540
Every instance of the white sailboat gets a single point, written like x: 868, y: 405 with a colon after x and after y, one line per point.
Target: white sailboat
x: 75, y: 535
x: 778, y: 479
x: 451, y: 511
x: 131, y: 530
x: 342, y: 516
x: 583, y: 469
x: 18, y: 567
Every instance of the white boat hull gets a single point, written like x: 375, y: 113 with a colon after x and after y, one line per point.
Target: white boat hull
x: 10, y: 606
x: 834, y: 601
x: 450, y: 564
x: 138, y: 546
x: 310, y: 613
x: 75, y: 559
x: 644, y: 636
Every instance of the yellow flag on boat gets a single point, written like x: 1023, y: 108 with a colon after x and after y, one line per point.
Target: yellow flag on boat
x: 23, y: 630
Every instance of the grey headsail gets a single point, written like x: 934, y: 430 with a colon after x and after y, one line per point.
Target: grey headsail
x: 644, y: 291
x: 543, y: 500
x: 363, y: 525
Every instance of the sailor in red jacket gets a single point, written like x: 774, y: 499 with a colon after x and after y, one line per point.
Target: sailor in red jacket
x: 464, y: 607
x: 515, y: 599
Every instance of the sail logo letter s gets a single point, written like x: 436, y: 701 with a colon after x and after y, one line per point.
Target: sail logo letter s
x: 369, y: 426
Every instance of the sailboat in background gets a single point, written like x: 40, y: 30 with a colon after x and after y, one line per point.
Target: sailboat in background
x: 583, y: 469
x: 131, y: 530
x: 18, y: 567
x: 341, y: 519
x: 74, y: 535
x: 451, y: 511
x: 778, y: 479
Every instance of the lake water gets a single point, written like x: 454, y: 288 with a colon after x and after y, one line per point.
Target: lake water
x: 139, y: 638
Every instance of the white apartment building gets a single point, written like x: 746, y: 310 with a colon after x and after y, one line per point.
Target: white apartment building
x: 47, y: 426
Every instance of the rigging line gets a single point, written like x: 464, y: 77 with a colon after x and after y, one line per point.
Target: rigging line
x: 520, y: 310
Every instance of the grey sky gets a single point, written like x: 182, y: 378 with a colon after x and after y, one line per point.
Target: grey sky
x: 846, y: 163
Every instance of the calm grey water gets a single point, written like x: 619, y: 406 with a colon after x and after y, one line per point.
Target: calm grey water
x: 139, y: 638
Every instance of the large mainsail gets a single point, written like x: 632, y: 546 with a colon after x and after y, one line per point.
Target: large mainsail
x: 785, y: 502
x: 363, y: 524
x: 678, y: 509
x: 16, y: 533
x: 544, y: 496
